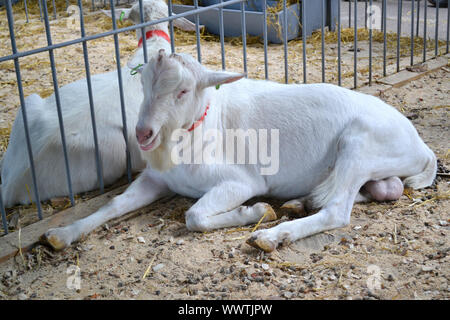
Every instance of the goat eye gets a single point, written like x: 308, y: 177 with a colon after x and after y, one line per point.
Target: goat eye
x: 181, y: 94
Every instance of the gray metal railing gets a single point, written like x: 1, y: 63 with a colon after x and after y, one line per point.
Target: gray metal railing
x: 197, y: 10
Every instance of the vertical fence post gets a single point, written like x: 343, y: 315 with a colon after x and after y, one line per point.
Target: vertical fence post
x: 370, y: 43
x: 172, y: 40
x: 244, y: 37
x: 323, y: 39
x: 418, y: 17
x: 26, y: 10
x: 58, y: 102
x: 436, y: 31
x: 197, y: 33
x: 222, y: 36
x: 384, y: 36
x: 339, y: 43
x: 122, y: 100
x: 365, y: 14
x: 285, y: 41
x: 425, y: 30
x: 144, y: 36
x: 448, y: 28
x: 266, y: 70
x: 355, y: 47
x: 412, y: 32
x: 304, y: 39
x: 349, y: 13
x: 23, y: 107
x: 98, y: 159
x: 40, y: 9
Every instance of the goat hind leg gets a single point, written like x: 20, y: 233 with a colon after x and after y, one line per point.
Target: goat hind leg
x: 221, y: 207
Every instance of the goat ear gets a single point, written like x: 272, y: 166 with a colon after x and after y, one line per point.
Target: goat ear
x: 185, y: 24
x: 118, y: 12
x: 161, y: 55
x: 216, y: 78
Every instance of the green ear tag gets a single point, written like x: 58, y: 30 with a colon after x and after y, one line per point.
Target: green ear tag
x: 121, y: 16
x: 217, y: 86
x: 134, y: 70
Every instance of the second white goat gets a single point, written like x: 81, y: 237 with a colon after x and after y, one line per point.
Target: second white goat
x: 44, y: 130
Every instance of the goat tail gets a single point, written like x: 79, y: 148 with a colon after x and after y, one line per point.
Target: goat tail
x: 426, y: 177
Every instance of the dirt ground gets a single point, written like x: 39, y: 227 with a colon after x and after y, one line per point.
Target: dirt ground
x: 396, y: 250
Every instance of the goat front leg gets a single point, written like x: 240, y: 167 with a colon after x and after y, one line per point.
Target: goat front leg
x: 143, y: 191
x: 221, y: 207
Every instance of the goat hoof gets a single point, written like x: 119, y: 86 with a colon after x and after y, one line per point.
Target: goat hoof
x: 266, y: 210
x: 293, y: 208
x: 262, y: 244
x: 56, y: 238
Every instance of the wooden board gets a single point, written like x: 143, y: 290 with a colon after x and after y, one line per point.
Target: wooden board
x: 29, y: 236
x: 401, y: 78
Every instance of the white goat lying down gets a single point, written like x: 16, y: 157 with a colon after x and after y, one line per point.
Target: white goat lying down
x: 332, y: 142
x: 44, y: 130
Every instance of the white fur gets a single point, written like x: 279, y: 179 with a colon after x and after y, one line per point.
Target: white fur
x: 332, y: 141
x: 45, y: 135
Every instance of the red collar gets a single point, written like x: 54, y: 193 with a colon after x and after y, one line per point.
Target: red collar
x: 152, y: 33
x: 199, y: 121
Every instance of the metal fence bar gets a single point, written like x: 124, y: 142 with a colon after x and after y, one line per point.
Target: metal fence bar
x: 399, y: 31
x: 304, y: 40
x: 436, y: 31
x: 26, y: 9
x: 285, y: 32
x: 54, y: 9
x: 3, y: 213
x: 370, y: 44
x: 349, y: 13
x: 197, y: 33
x: 448, y: 28
x: 40, y: 9
x: 339, y: 43
x: 172, y: 40
x: 322, y: 29
x: 113, y: 32
x: 382, y: 14
x: 10, y: 18
x: 122, y: 101
x: 98, y: 160
x: 425, y: 31
x: 144, y: 36
x: 355, y: 47
x: 266, y: 69
x: 58, y: 103
x: 384, y: 37
x: 222, y: 36
x: 365, y: 14
x: 418, y: 17
x: 244, y: 37
x: 412, y: 32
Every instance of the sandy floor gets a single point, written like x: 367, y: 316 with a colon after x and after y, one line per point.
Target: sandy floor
x: 390, y: 250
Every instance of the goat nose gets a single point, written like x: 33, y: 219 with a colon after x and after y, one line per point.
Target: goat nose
x: 143, y: 135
